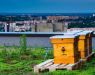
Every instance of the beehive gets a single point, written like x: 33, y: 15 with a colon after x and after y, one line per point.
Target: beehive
x: 65, y: 49
x: 89, y: 42
x: 82, y: 44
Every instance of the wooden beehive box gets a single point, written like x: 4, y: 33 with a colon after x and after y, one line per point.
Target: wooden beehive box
x: 65, y: 49
x: 89, y: 42
x: 82, y: 44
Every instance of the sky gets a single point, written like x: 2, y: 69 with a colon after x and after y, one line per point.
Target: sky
x: 47, y: 6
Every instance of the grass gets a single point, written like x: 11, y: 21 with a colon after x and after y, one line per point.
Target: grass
x: 13, y: 61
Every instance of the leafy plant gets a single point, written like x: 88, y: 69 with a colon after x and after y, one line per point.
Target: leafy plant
x: 23, y: 43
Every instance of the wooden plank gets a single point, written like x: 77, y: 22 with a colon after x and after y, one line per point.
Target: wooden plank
x: 40, y: 67
x: 52, y: 67
x: 73, y: 66
x: 61, y: 66
x: 90, y: 54
x: 69, y: 66
x: 88, y: 57
x: 44, y: 63
x: 45, y: 66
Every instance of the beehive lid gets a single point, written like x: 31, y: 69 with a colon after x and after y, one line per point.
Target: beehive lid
x: 64, y: 36
x: 83, y: 33
x: 88, y: 31
x: 69, y: 33
x: 75, y: 31
x: 72, y: 32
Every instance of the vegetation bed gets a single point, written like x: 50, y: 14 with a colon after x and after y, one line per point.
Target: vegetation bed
x: 14, y: 61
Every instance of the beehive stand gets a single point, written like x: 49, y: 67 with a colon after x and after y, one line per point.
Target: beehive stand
x: 50, y: 66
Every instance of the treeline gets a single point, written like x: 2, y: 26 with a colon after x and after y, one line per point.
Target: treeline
x: 81, y: 25
x: 83, y: 22
x: 20, y: 18
x: 14, y: 18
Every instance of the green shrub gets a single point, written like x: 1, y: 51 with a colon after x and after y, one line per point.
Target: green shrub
x: 23, y: 43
